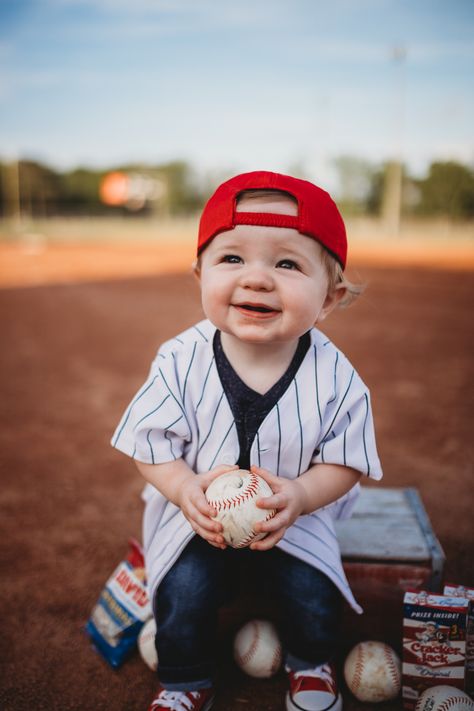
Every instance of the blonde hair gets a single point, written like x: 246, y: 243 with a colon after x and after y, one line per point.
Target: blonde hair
x: 334, y: 271
x: 337, y: 280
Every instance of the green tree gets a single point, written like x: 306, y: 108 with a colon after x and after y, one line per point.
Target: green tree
x: 79, y: 192
x: 38, y: 189
x: 374, y: 199
x: 183, y: 196
x: 356, y: 177
x: 448, y: 190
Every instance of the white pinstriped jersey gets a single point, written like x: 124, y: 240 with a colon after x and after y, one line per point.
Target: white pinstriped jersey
x: 182, y: 411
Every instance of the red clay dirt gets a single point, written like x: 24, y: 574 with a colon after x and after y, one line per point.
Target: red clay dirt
x: 72, y: 357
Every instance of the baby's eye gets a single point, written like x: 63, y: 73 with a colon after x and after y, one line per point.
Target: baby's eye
x: 287, y: 264
x: 231, y: 259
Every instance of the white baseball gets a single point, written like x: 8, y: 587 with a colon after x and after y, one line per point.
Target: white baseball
x: 257, y: 649
x: 146, y: 644
x: 233, y: 495
x: 444, y: 698
x: 372, y: 671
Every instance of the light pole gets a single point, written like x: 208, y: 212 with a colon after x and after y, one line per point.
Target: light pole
x: 392, y: 201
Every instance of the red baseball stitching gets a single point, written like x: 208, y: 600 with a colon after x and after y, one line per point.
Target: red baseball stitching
x: 250, y: 491
x: 451, y: 703
x: 276, y: 661
x: 243, y: 543
x: 392, y: 667
x: 357, y: 678
x: 277, y: 654
x: 245, y: 658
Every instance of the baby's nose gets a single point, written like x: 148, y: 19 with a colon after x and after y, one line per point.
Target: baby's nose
x: 257, y: 277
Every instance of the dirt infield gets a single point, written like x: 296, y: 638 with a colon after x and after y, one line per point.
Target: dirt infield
x: 34, y: 261
x: 74, y: 353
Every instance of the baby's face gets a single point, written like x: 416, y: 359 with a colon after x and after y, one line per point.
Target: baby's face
x: 264, y: 284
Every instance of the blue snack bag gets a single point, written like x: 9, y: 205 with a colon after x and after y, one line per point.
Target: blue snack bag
x: 122, y: 609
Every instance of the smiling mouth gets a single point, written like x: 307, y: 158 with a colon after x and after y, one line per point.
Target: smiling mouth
x: 259, y: 309
x: 255, y: 309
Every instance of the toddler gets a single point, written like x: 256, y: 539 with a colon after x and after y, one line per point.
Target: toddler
x: 255, y: 385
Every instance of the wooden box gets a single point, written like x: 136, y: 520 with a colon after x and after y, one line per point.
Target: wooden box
x: 388, y: 547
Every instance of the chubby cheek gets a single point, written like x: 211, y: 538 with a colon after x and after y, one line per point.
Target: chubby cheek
x: 305, y: 308
x: 214, y: 303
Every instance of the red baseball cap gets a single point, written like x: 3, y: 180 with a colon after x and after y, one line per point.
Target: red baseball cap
x: 318, y: 216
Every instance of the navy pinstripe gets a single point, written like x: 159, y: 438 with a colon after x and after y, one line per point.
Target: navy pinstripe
x: 279, y: 441
x: 177, y: 401
x: 315, y: 351
x: 339, y: 407
x: 221, y: 445
x: 300, y: 426
x: 212, y: 422
x: 158, y: 407
x: 187, y: 373
x: 129, y: 410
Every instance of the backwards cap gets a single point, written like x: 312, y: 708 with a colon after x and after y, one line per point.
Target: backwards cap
x: 318, y: 216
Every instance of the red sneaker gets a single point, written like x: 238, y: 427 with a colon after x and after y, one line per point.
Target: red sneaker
x: 313, y: 690
x: 200, y: 700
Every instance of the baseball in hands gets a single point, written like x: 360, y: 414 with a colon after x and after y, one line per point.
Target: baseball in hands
x: 146, y: 644
x: 444, y: 698
x: 257, y: 649
x: 233, y: 496
x: 372, y: 671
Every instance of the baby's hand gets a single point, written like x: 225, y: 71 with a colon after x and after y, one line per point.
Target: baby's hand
x: 194, y: 506
x: 288, y: 499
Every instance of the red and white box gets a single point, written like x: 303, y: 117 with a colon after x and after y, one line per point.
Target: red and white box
x: 435, y: 629
x: 454, y: 590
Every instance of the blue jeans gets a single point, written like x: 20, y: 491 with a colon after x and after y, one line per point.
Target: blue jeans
x: 204, y: 578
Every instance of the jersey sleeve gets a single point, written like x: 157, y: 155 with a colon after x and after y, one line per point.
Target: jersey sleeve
x: 347, y: 430
x: 154, y: 428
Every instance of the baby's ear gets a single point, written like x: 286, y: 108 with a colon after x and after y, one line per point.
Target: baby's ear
x: 333, y: 298
x: 196, y: 268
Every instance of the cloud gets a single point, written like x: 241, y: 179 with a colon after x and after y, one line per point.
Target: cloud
x: 187, y: 14
x: 375, y: 52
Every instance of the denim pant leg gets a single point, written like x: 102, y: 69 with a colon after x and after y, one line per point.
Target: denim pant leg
x: 310, y: 606
x: 185, y: 606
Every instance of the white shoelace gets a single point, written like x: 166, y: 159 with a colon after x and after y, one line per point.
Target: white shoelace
x: 177, y: 700
x: 322, y: 672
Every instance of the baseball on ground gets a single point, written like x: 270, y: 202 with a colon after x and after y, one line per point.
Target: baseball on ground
x: 146, y: 644
x: 257, y: 649
x: 372, y: 671
x: 233, y: 496
x: 444, y: 698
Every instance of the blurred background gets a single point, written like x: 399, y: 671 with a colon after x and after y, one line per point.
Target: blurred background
x: 118, y: 119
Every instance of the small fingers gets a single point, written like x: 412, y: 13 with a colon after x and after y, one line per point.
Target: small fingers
x: 271, y: 479
x: 200, y: 518
x: 215, y: 539
x: 275, y: 501
x: 201, y: 508
x: 278, y: 522
x: 264, y: 544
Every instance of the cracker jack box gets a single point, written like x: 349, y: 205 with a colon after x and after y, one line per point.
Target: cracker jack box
x: 434, y: 643
x: 461, y: 591
x: 122, y: 609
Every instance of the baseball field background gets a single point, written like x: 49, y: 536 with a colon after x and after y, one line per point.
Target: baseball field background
x: 81, y: 316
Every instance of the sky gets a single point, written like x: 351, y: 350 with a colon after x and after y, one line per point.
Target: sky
x: 287, y: 85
